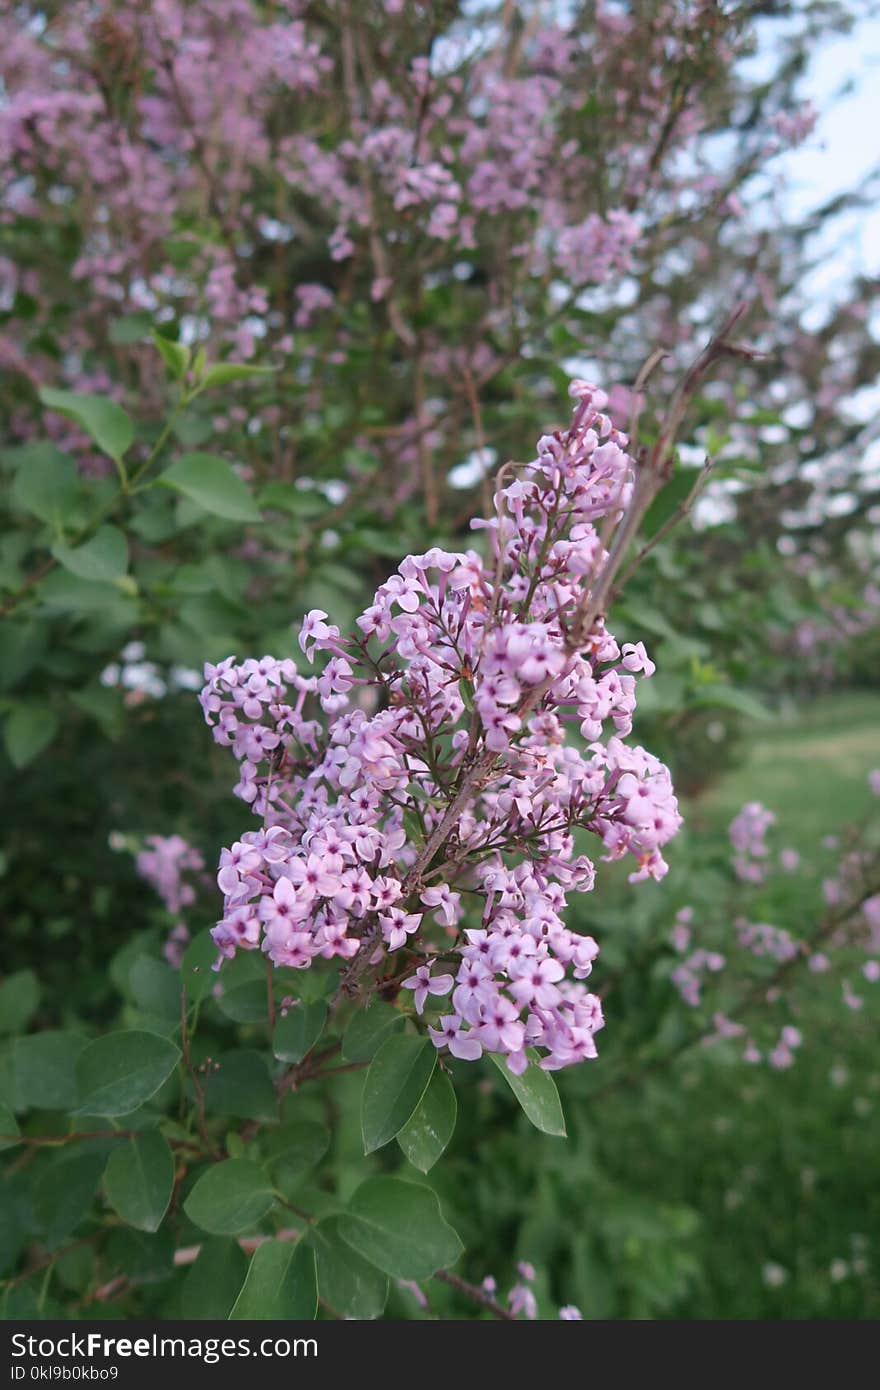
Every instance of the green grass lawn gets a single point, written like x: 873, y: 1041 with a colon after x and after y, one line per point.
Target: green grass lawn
x: 809, y: 768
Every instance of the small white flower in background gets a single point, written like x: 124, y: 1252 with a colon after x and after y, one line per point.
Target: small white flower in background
x: 774, y: 1276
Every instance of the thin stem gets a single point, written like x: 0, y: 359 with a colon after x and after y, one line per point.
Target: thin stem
x: 56, y: 1141
x: 188, y: 1064
x: 653, y: 473
x: 270, y: 999
x: 478, y: 1295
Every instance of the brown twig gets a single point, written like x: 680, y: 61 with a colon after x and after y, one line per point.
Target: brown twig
x: 654, y: 471
x: 478, y: 1295
x: 306, y: 1069
x: 55, y: 1141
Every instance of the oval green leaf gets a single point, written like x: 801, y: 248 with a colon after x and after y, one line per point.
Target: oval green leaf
x: 9, y: 1130
x: 44, y: 1070
x: 29, y: 728
x: 212, y: 1285
x: 64, y: 1193
x: 103, y: 419
x: 120, y: 1071
x: 222, y: 373
x: 399, y: 1227
x: 139, y: 1178
x: 19, y: 996
x: 197, y: 973
x: 431, y: 1125
x: 294, y: 1148
x: 280, y: 1284
x: 213, y: 485
x: 175, y: 355
x: 347, y: 1283
x: 368, y: 1029
x: 103, y: 559
x: 239, y: 1084
x: 298, y: 1031
x: 395, y: 1083
x: 232, y: 1196
x: 47, y: 485
x: 537, y: 1094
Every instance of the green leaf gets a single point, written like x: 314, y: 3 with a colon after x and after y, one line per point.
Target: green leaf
x: 245, y: 1003
x: 431, y: 1125
x: 29, y: 728
x: 175, y: 355
x: 130, y: 328
x: 139, y: 1178
x: 103, y: 559
x: 16, y: 1219
x: 76, y: 1268
x: 221, y: 373
x: 118, y: 1072
x: 19, y: 996
x: 347, y: 1283
x: 155, y: 988
x: 368, y: 1029
x: 64, y: 1193
x: 286, y: 497
x: 197, y: 974
x: 399, y: 1227
x: 213, y: 485
x: 395, y: 1083
x: 103, y: 705
x: 413, y: 827
x: 191, y: 428
x: 211, y: 1286
x: 729, y: 697
x: 103, y: 603
x: 231, y: 1197
x: 144, y: 1257
x: 239, y: 1084
x: 280, y: 1284
x: 44, y: 1070
x: 293, y: 1149
x: 537, y: 1094
x: 22, y: 646
x: 102, y: 419
x: 671, y: 496
x: 8, y: 1127
x: 298, y: 1031
x: 47, y: 485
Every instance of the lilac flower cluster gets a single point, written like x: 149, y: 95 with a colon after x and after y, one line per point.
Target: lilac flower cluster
x: 170, y: 864
x: 521, y: 1300
x: 849, y: 930
x: 688, y: 977
x: 762, y: 939
x: 747, y: 834
x: 593, y: 249
x: 426, y: 758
